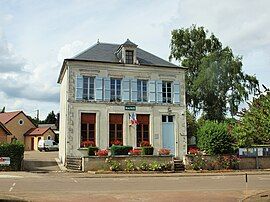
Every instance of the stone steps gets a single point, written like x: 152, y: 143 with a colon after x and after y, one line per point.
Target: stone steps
x: 178, y: 165
x: 74, y: 163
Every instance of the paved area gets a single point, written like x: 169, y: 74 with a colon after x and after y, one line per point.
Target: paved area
x: 64, y: 186
x: 37, y: 161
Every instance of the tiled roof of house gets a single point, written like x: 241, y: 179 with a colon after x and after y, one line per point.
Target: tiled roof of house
x: 37, y: 131
x: 106, y: 52
x: 5, y: 129
x: 7, y: 116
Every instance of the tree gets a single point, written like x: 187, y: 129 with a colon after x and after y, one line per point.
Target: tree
x: 3, y: 110
x: 254, y: 125
x: 191, y: 125
x: 51, y: 118
x: 215, y: 82
x: 213, y: 138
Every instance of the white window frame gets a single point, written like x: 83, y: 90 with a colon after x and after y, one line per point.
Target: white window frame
x: 166, y: 92
x: 140, y: 91
x: 117, y: 98
x: 88, y: 88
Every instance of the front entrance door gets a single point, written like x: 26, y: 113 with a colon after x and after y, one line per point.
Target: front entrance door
x: 32, y: 143
x: 168, y: 137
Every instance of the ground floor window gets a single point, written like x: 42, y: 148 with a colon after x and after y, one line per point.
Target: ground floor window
x: 142, y: 128
x: 115, y: 129
x: 88, y: 125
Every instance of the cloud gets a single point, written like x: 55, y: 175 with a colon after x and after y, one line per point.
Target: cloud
x: 19, y: 79
x: 9, y: 62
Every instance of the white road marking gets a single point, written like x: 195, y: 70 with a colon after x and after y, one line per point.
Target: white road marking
x: 218, y: 177
x: 9, y: 176
x: 74, y: 180
x: 11, y: 188
x: 263, y: 178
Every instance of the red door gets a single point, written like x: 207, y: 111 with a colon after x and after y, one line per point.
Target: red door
x: 32, y: 143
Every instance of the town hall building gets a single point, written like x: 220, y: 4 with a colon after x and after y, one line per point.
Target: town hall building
x: 119, y: 92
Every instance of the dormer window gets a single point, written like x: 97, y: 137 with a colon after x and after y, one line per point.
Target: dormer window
x: 129, y: 56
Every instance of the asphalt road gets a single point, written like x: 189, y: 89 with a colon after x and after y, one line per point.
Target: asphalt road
x: 58, y: 186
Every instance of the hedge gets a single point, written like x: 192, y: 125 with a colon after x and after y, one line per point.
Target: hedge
x: 15, y: 151
x: 120, y: 150
x: 147, y: 150
x: 92, y: 151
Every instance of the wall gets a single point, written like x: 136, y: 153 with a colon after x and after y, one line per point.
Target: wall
x: 63, y: 118
x: 3, y: 135
x: 251, y: 163
x: 18, y: 130
x: 99, y: 163
x: 70, y: 116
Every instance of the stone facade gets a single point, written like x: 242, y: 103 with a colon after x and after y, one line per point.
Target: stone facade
x: 71, y: 109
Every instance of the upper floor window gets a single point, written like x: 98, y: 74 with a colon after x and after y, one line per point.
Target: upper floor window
x: 141, y: 90
x: 129, y: 56
x: 115, y: 90
x: 166, y: 92
x: 88, y: 88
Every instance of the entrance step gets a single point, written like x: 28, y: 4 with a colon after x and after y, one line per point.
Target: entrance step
x: 74, y: 163
x: 178, y: 165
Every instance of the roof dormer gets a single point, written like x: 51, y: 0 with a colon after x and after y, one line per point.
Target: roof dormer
x: 127, y: 52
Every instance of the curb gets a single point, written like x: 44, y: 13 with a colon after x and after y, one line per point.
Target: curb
x: 131, y: 175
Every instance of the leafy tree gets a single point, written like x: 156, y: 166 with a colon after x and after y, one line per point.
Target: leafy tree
x: 215, y: 81
x: 213, y: 138
x: 51, y: 118
x: 254, y: 125
x: 191, y: 125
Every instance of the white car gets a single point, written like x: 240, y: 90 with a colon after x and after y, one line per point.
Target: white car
x: 47, y: 145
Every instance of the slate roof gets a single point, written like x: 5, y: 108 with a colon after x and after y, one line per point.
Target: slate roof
x: 106, y: 52
x: 7, y: 116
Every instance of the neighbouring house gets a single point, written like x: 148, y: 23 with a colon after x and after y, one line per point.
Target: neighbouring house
x: 4, y: 132
x: 35, y: 134
x: 119, y: 92
x: 53, y: 127
x: 17, y: 126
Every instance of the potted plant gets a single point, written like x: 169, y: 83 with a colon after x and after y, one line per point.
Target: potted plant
x: 147, y: 149
x: 102, y: 152
x: 164, y: 152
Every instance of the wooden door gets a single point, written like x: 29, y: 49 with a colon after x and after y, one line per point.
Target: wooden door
x: 32, y: 143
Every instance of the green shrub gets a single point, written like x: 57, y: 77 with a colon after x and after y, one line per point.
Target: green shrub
x: 147, y: 150
x: 115, y: 165
x: 144, y: 166
x: 15, y: 151
x: 120, y: 150
x: 92, y: 150
x: 130, y: 166
x: 214, y: 139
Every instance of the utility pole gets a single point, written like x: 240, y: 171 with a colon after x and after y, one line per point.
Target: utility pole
x: 37, y: 115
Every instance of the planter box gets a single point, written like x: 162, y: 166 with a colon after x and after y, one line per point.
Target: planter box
x: 93, y: 163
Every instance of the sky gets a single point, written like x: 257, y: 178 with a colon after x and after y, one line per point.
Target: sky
x: 36, y: 35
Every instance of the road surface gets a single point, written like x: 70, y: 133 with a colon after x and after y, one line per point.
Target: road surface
x: 64, y: 186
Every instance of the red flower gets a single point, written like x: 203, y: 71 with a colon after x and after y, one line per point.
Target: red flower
x: 145, y: 144
x: 193, y: 150
x: 164, y: 151
x: 135, y: 152
x: 116, y: 142
x: 103, y: 152
x: 88, y: 143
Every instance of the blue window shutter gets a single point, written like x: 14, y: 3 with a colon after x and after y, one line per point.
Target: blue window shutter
x: 159, y: 91
x: 152, y: 91
x: 125, y: 89
x: 79, y: 88
x: 176, y: 92
x: 107, y: 89
x: 134, y: 90
x: 98, y: 88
